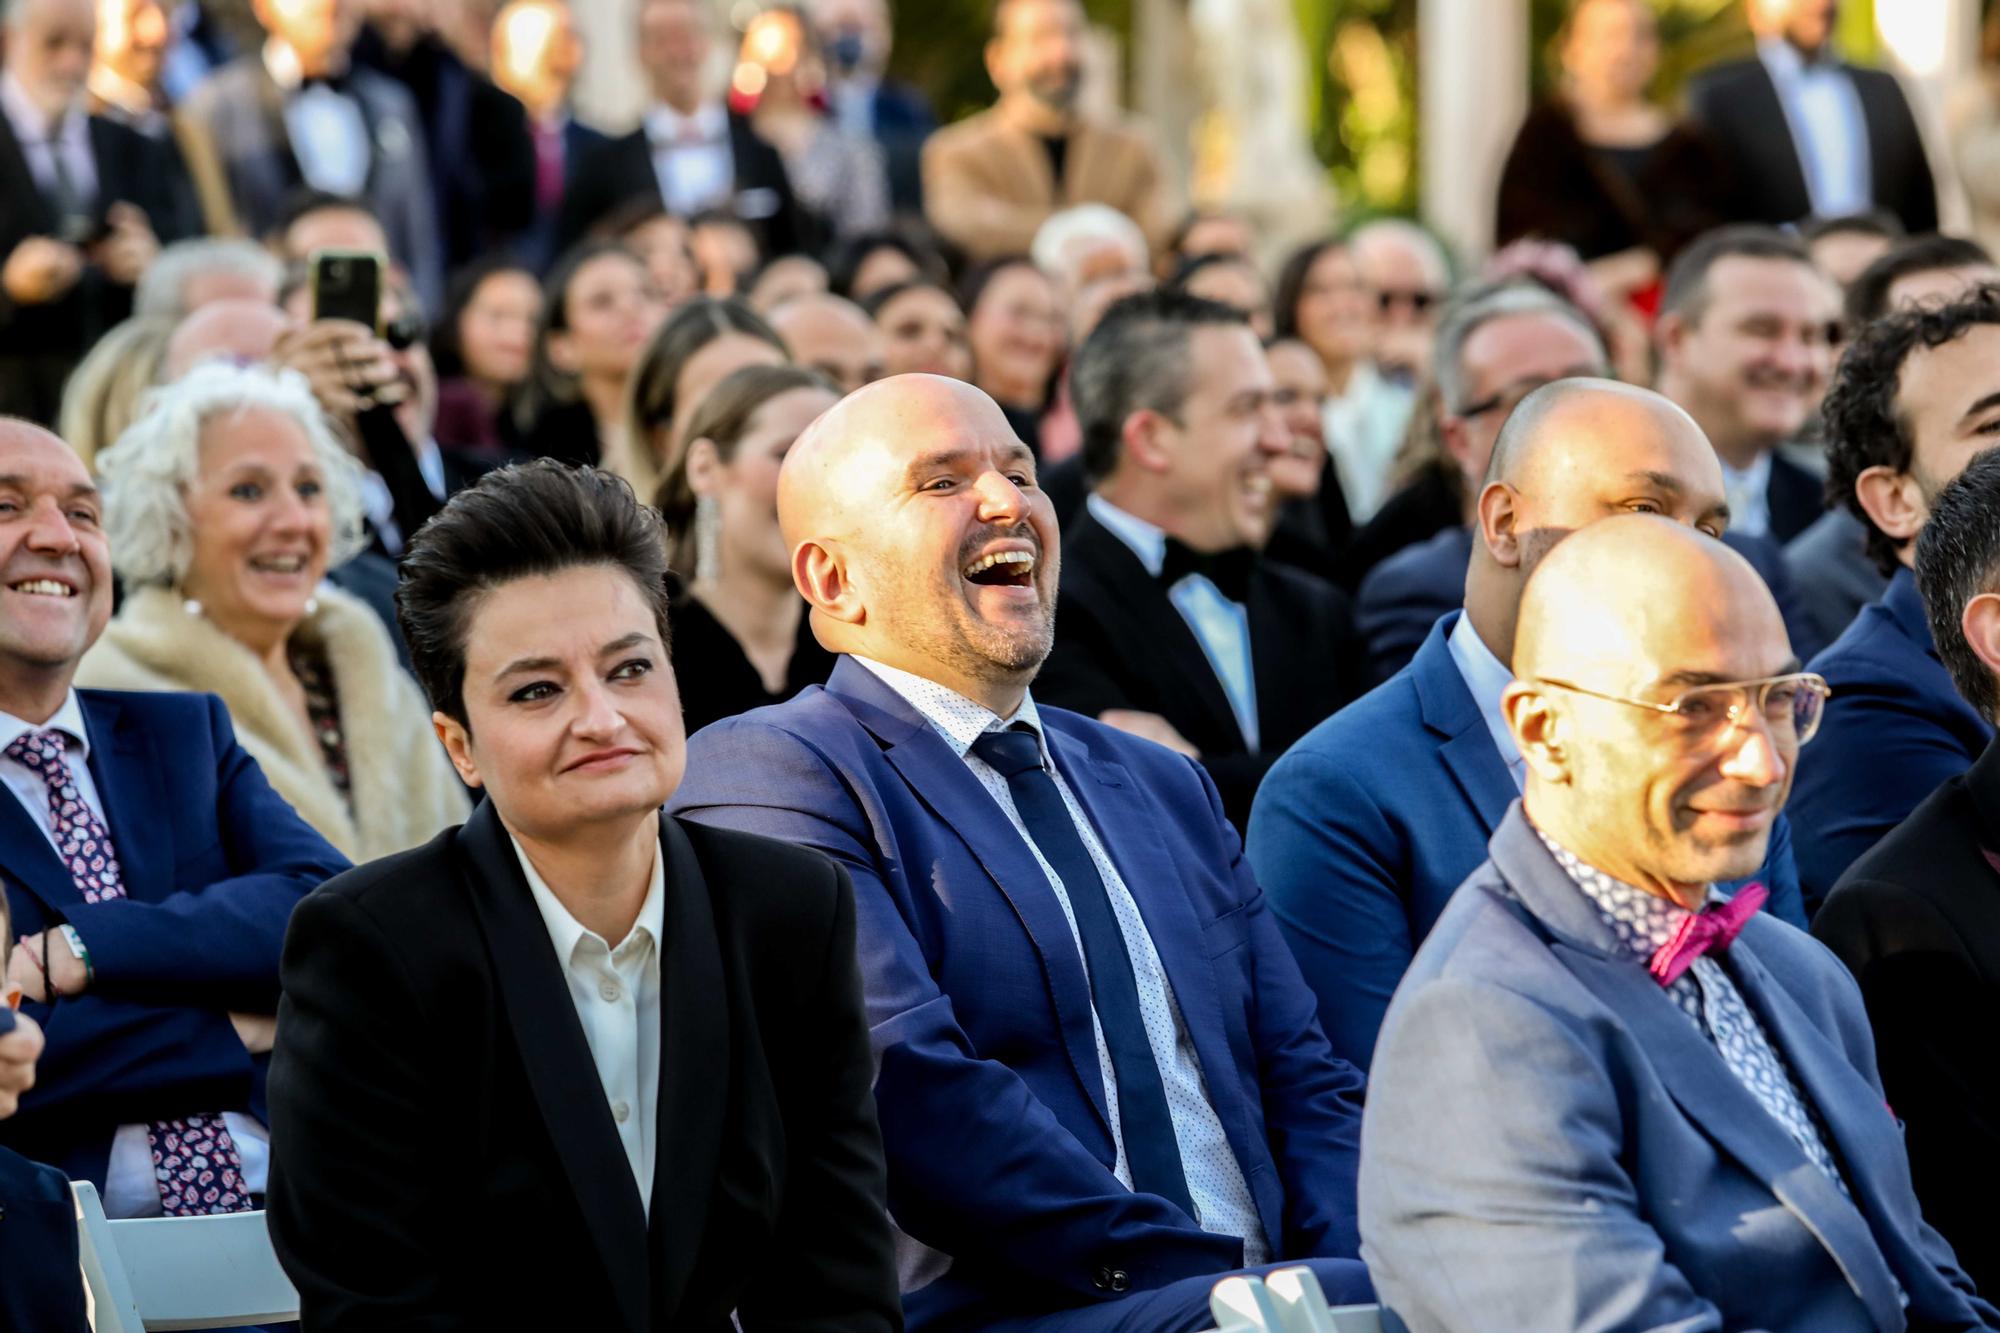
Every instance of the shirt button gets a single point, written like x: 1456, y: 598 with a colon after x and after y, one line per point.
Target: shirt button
x: 610, y: 990
x: 620, y: 1111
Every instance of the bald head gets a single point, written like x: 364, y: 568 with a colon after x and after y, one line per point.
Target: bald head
x: 832, y: 335
x: 1601, y: 416
x: 232, y: 330
x: 920, y: 539
x: 1621, y: 621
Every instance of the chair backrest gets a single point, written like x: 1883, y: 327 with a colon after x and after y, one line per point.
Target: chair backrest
x: 1289, y: 1300
x: 186, y: 1272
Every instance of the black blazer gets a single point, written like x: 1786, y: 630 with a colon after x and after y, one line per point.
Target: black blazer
x: 1917, y: 918
x: 1120, y: 643
x: 622, y: 170
x: 1796, y: 498
x: 442, y: 1152
x: 1738, y: 106
x: 39, y: 344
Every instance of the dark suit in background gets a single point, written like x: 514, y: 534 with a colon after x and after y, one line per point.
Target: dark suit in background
x: 1738, y: 107
x: 443, y: 1153
x: 1796, y: 498
x: 213, y: 862
x: 1121, y: 643
x: 1364, y: 830
x: 623, y: 170
x: 1832, y: 573
x: 1894, y: 730
x: 41, y: 1285
x: 540, y: 243
x: 41, y: 344
x: 1917, y: 918
x: 236, y: 124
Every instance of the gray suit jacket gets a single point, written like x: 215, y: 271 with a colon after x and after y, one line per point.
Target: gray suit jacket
x: 236, y: 118
x: 1549, y: 1143
x: 1832, y: 574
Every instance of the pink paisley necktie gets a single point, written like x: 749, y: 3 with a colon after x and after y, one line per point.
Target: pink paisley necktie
x: 194, y: 1158
x: 1711, y: 930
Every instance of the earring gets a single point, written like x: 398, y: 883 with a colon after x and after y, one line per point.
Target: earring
x: 707, y: 540
x: 192, y: 607
x: 312, y: 607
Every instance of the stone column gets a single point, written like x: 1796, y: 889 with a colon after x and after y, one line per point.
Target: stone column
x: 1472, y: 91
x: 1934, y: 48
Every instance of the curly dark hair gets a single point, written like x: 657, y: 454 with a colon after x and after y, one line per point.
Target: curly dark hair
x: 1865, y: 424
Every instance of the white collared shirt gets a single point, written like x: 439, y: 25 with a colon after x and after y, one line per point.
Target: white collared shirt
x: 130, y: 1189
x: 1364, y: 425
x: 1221, y: 626
x: 379, y: 506
x: 1823, y: 110
x: 1749, y: 493
x: 1221, y: 1195
x: 72, y: 141
x: 329, y: 135
x: 691, y: 157
x: 616, y: 992
x: 1487, y: 677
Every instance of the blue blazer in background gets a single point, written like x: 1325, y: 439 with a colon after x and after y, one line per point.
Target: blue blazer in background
x: 41, y: 1285
x: 1551, y: 1144
x: 1364, y: 829
x: 213, y: 861
x: 990, y: 1092
x: 1895, y: 730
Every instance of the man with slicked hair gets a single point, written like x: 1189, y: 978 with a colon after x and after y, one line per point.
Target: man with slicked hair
x: 1359, y: 856
x: 1607, y: 1094
x: 1100, y: 1082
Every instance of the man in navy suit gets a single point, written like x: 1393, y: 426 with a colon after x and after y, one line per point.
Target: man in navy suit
x: 1100, y: 1082
x: 1360, y: 856
x: 1917, y: 395
x: 856, y: 35
x: 150, y: 870
x: 1607, y: 1095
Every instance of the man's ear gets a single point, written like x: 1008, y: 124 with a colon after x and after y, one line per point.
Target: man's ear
x: 1538, y: 729
x: 1893, y: 501
x: 457, y: 740
x: 1981, y: 623
x: 1498, y: 515
x: 819, y: 571
x: 1147, y: 438
x: 1670, y: 336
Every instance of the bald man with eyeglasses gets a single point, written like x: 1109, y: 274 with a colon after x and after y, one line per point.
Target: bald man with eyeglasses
x: 1608, y: 1094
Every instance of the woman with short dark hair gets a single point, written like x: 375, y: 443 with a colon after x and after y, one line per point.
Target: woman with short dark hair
x: 624, y: 1054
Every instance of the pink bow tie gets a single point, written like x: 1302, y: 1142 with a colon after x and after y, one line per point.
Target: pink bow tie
x: 1711, y: 930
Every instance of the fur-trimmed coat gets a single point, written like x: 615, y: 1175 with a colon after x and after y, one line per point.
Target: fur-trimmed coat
x: 404, y: 790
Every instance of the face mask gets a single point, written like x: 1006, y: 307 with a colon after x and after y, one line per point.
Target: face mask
x: 847, y: 51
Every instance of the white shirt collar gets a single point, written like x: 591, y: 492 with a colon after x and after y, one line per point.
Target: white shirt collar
x: 566, y: 932
x: 1755, y: 478
x: 1149, y: 543
x: 68, y: 719
x: 1487, y: 677
x: 960, y: 720
x: 710, y: 122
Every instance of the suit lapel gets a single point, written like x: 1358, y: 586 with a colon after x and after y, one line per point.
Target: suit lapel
x: 694, y: 1070
x: 133, y: 789
x: 1762, y: 111
x: 940, y: 779
x: 1450, y: 711
x: 1689, y: 1067
x: 22, y: 190
x: 560, y: 1069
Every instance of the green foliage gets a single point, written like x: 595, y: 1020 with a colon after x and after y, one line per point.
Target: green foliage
x: 941, y: 48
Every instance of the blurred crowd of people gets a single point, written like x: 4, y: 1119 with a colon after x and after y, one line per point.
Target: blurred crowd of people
x: 1366, y: 867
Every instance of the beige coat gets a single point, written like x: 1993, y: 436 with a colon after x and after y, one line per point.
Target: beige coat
x: 989, y: 186
x: 404, y: 789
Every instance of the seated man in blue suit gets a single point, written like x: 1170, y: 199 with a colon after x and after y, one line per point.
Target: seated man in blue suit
x: 1360, y: 856
x: 1100, y: 1082
x: 151, y: 871
x: 1606, y: 1095
x: 1916, y: 396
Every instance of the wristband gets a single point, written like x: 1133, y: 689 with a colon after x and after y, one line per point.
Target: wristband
x: 78, y: 951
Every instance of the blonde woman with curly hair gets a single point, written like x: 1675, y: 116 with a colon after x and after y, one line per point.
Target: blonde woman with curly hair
x: 226, y: 501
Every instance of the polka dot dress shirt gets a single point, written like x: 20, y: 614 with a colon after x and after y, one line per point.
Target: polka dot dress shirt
x: 1215, y: 1181
x: 1643, y: 923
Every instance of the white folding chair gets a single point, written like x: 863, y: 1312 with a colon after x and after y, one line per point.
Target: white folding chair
x: 180, y: 1272
x: 1290, y: 1301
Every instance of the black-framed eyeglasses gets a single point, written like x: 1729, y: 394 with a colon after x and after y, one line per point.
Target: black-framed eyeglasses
x: 1418, y: 300
x: 1790, y: 705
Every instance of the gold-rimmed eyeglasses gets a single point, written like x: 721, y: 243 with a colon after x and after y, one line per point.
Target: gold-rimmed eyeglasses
x: 1791, y: 705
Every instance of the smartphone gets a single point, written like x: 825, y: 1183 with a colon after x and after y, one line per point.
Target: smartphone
x: 347, y: 284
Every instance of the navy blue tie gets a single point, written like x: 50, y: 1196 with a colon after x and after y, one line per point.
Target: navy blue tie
x: 1148, y: 1130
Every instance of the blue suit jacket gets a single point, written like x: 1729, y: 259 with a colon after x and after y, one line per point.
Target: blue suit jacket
x: 1894, y: 730
x: 990, y: 1092
x: 41, y: 1287
x: 1364, y: 829
x: 213, y: 862
x: 1551, y: 1144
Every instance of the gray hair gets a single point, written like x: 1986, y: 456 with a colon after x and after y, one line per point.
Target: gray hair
x: 1482, y: 305
x: 1057, y: 239
x: 162, y: 289
x: 148, y: 471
